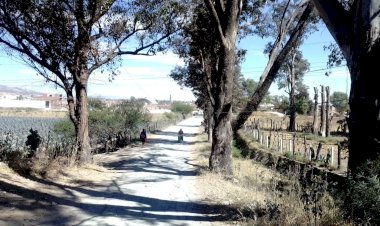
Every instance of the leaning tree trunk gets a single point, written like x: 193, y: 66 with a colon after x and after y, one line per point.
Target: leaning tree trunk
x: 322, y: 128
x: 315, y: 115
x: 276, y: 59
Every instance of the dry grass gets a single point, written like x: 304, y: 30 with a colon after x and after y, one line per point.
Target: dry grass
x: 31, y: 113
x: 262, y: 196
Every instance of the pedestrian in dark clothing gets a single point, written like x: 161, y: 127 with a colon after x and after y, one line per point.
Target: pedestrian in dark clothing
x: 143, y: 136
x: 180, y: 135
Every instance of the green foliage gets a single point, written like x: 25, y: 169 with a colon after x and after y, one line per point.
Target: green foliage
x: 96, y: 104
x: 302, y: 106
x: 239, y: 148
x: 33, y: 140
x: 133, y: 115
x: 236, y: 151
x: 242, y: 90
x: 103, y: 124
x: 121, y: 121
x: 171, y: 116
x: 290, y: 155
x: 363, y: 194
x: 181, y: 107
x: 249, y: 86
x: 281, y: 103
x: 64, y: 128
x: 340, y: 101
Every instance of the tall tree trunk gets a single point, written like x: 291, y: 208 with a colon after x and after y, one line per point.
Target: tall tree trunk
x: 221, y: 154
x: 292, y: 104
x: 328, y: 119
x: 210, y: 120
x: 357, y: 32
x: 82, y: 136
x: 322, y: 127
x: 315, y: 115
x: 226, y: 18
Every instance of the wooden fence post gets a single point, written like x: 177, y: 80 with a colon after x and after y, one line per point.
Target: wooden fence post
x: 339, y: 156
x: 305, y: 145
x: 332, y: 156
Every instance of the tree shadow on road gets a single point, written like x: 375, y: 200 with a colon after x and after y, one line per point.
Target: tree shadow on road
x: 175, y: 134
x: 143, y: 208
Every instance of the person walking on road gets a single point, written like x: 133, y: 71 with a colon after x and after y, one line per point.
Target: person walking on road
x: 180, y: 135
x: 143, y: 137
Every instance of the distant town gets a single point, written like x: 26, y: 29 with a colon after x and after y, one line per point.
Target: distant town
x: 21, y: 98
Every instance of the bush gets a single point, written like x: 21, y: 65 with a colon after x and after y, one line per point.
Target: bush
x: 121, y: 121
x: 172, y: 116
x: 236, y: 152
x: 64, y: 128
x: 363, y: 195
x: 181, y: 108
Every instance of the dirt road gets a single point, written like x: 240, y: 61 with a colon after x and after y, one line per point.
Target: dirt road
x: 156, y: 185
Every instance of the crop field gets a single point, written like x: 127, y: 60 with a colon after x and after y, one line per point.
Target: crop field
x: 20, y: 126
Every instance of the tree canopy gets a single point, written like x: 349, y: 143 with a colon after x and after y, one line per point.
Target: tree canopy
x: 85, y: 36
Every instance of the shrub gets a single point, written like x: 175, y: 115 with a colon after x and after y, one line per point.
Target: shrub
x: 236, y: 152
x: 182, y: 108
x: 64, y: 128
x: 363, y: 194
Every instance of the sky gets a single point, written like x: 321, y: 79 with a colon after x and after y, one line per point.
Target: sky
x: 312, y: 50
x: 147, y: 76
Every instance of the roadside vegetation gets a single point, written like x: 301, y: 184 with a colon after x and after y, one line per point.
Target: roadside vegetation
x: 260, y: 195
x: 32, y: 149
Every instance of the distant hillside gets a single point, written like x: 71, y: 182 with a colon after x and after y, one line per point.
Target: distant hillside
x: 17, y: 91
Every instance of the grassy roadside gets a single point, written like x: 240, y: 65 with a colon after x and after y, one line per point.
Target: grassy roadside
x: 261, y: 196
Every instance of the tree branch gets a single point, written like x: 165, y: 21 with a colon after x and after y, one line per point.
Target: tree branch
x: 336, y: 19
x: 216, y: 20
x: 263, y: 88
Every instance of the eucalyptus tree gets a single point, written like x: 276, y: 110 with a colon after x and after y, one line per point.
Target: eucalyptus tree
x: 290, y: 77
x: 67, y: 41
x: 218, y: 57
x: 293, y: 19
x: 355, y: 26
x: 211, y: 59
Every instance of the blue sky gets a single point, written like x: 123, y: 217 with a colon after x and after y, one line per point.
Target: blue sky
x: 147, y: 77
x: 313, y: 51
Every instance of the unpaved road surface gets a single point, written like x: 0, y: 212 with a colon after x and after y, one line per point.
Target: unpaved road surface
x: 156, y: 185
